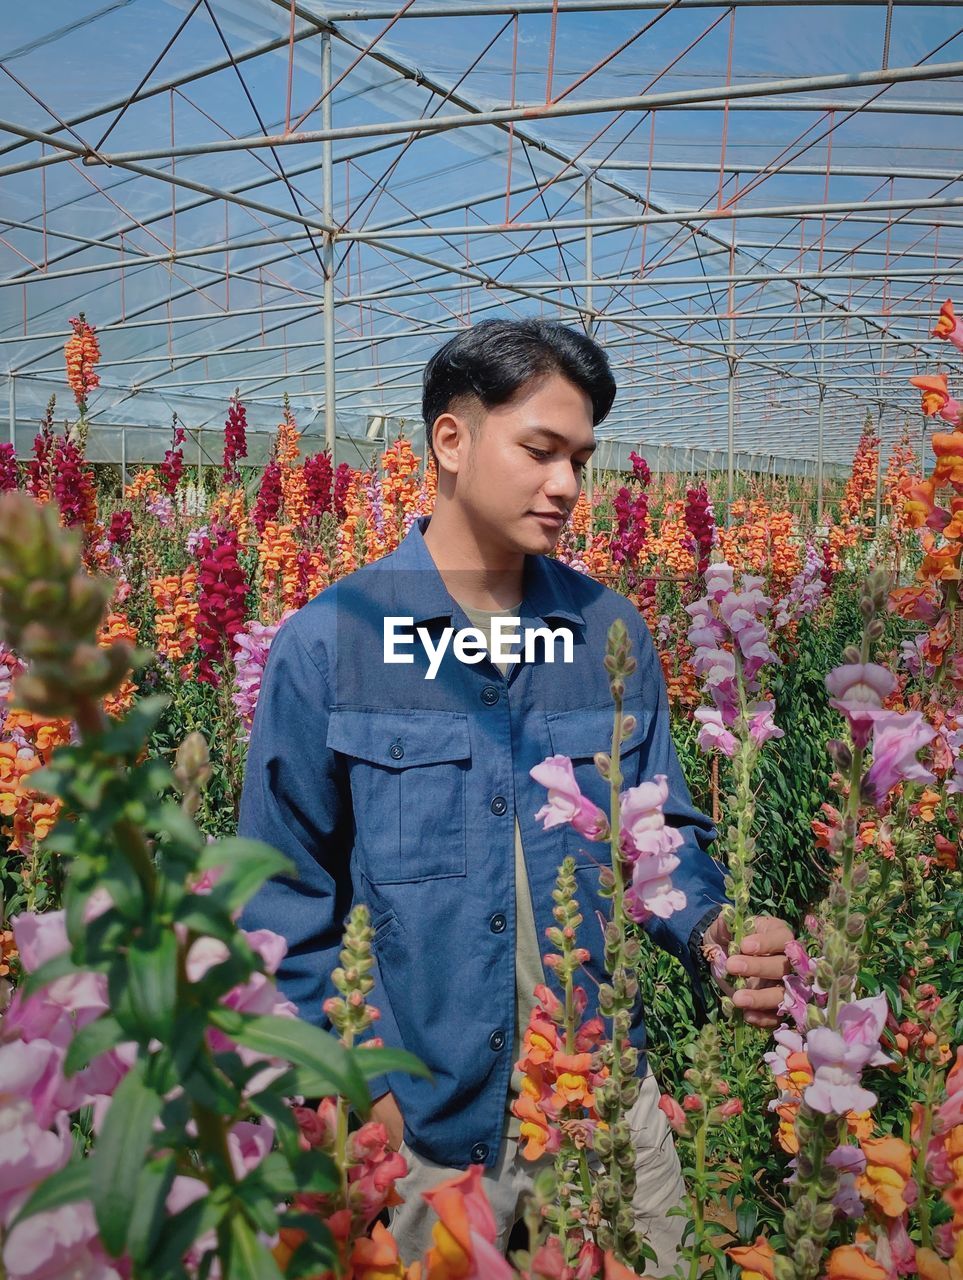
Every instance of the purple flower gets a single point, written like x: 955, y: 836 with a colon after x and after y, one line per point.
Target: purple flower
x: 714, y: 736
x: 850, y: 1162
x: 194, y: 539
x: 857, y: 689
x: 761, y: 725
x: 565, y: 801
x: 252, y: 643
x: 160, y: 506
x: 649, y: 845
x: 897, y: 738
x: 838, y: 1056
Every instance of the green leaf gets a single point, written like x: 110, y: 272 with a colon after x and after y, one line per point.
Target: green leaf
x: 180, y: 1232
x: 249, y: 1259
x: 245, y: 865
x: 120, y: 1154
x: 152, y: 981
x: 90, y: 1042
x: 149, y: 1216
x: 378, y: 1062
x: 67, y: 1186
x: 209, y: 918
x: 304, y: 1045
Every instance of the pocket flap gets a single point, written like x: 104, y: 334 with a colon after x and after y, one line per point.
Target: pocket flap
x: 586, y: 730
x: 399, y: 740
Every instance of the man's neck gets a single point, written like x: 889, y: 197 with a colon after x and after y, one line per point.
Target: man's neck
x: 472, y: 574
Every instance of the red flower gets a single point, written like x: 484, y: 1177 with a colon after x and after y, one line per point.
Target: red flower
x: 172, y: 468
x: 73, y: 485
x: 269, y: 496
x: 700, y: 522
x: 120, y: 529
x: 235, y: 439
x: 8, y: 467
x: 318, y: 479
x: 221, y: 599
x: 342, y: 482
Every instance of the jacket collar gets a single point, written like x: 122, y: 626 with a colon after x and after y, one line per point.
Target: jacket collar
x: 547, y: 594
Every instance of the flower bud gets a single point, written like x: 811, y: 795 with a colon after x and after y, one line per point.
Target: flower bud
x: 603, y: 762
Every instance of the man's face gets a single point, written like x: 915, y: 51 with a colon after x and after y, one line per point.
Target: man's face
x: 523, y: 466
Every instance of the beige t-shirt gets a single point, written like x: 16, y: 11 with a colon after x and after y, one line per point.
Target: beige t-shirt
x: 528, y: 954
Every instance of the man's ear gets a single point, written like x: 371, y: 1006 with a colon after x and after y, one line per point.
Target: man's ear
x: 450, y: 437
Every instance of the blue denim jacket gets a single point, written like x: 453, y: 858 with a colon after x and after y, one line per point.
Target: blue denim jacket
x: 387, y: 788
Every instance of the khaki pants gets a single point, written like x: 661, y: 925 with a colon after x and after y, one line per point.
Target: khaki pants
x: 659, y: 1187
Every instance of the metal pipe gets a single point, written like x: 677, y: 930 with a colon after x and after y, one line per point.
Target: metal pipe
x: 731, y: 416
x: 748, y: 167
x: 541, y: 111
x: 327, y: 204
x: 12, y: 421
x: 650, y: 219
x: 820, y: 422
x: 496, y: 8
x: 589, y: 296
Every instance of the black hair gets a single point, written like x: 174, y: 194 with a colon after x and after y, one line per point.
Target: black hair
x: 494, y: 359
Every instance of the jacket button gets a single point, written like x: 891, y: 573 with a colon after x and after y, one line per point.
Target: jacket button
x: 499, y: 806
x: 396, y: 751
x: 479, y: 1153
x: 489, y: 695
x: 496, y: 1041
x: 497, y: 923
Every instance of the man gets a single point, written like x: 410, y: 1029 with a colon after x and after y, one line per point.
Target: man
x: 395, y: 772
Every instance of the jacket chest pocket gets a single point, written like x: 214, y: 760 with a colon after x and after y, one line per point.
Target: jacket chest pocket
x: 580, y: 734
x: 408, y: 774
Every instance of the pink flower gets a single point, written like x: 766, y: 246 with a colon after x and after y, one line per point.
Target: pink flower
x: 838, y: 1057
x: 28, y: 1154
x: 714, y: 736
x: 565, y: 801
x: 248, y: 1144
x: 649, y: 845
x: 857, y: 689
x: 673, y: 1112
x: 58, y: 1244
x: 761, y: 724
x: 897, y: 738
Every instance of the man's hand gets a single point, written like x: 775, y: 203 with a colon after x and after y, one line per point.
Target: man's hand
x: 387, y: 1112
x: 761, y: 961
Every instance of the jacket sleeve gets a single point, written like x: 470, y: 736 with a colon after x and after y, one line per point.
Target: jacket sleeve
x: 698, y: 874
x: 296, y: 797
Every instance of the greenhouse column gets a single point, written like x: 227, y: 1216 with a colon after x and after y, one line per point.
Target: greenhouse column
x: 819, y: 420
x: 587, y: 319
x: 731, y: 435
x: 327, y: 212
x: 13, y: 411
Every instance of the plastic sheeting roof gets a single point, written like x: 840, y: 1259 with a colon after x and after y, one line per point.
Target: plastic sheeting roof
x: 749, y: 212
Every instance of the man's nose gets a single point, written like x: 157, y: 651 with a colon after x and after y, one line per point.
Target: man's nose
x: 564, y: 482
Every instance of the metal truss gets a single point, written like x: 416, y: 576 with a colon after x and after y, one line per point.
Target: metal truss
x: 379, y: 230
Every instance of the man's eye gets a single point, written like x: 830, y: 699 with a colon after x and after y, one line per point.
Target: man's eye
x: 540, y: 454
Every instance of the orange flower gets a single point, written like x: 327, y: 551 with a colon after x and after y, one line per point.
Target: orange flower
x: 948, y: 447
x: 935, y: 393
x: 8, y: 951
x: 930, y: 1266
x: 850, y: 1263
x: 756, y: 1260
x: 377, y: 1258
x: 463, y: 1238
x: 889, y: 1169
x: 928, y: 804
x: 946, y: 323
x: 919, y: 503
x: 82, y: 353
x: 144, y: 483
